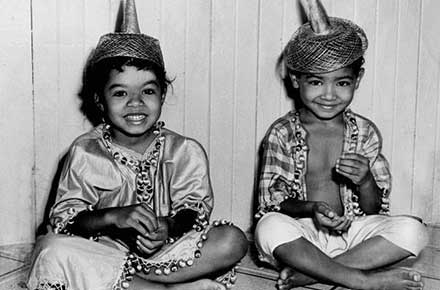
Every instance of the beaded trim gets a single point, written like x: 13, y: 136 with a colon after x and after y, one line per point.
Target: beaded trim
x: 201, y: 221
x: 300, y: 156
x: 61, y: 227
x: 349, y: 197
x: 297, y: 189
x: 50, y: 285
x: 145, y: 169
x: 135, y: 264
x: 228, y: 279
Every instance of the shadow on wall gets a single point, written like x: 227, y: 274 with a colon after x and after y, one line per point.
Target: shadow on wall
x: 42, y: 228
x: 87, y: 96
x: 291, y: 93
x: 91, y: 111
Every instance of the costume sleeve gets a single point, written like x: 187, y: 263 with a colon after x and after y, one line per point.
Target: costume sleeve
x: 372, y: 149
x: 74, y: 193
x: 276, y: 172
x: 190, y: 184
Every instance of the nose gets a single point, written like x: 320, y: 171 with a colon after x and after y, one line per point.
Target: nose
x: 329, y: 92
x: 135, y: 99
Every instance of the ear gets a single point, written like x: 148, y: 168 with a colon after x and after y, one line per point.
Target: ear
x: 359, y: 77
x: 294, y: 80
x: 98, y: 102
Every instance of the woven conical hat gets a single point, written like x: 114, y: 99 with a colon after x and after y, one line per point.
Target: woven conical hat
x: 324, y: 44
x: 128, y: 41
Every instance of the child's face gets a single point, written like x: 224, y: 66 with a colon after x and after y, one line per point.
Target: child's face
x: 133, y: 102
x: 326, y: 95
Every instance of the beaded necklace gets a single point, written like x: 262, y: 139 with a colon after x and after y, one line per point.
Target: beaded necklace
x: 145, y: 169
x: 145, y: 175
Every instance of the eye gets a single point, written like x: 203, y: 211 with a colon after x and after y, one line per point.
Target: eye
x: 315, y: 82
x: 344, y: 83
x: 119, y: 93
x: 149, y: 91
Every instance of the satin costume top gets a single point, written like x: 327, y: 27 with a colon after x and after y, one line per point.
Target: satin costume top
x: 93, y: 179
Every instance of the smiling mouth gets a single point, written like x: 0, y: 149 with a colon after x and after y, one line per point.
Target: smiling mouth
x: 135, y: 117
x: 327, y: 107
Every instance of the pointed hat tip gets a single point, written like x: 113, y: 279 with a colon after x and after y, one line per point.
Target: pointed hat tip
x: 129, y: 21
x: 317, y: 16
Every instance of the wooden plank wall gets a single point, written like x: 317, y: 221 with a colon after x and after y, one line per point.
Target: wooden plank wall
x: 16, y: 123
x: 222, y: 54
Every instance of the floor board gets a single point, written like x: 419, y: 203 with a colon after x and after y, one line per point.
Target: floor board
x: 14, y: 263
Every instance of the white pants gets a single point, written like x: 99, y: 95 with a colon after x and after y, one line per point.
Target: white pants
x: 74, y: 263
x: 275, y: 229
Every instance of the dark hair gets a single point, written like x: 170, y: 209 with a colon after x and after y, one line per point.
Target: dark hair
x: 96, y: 76
x: 357, y: 65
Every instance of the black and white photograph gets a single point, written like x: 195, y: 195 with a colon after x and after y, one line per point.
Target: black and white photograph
x: 220, y: 144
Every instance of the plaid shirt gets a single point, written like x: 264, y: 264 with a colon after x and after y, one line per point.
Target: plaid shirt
x: 284, y: 162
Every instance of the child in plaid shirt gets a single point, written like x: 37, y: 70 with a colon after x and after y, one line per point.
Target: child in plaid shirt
x: 324, y: 183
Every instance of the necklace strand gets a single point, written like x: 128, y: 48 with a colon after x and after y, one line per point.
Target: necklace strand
x: 145, y: 169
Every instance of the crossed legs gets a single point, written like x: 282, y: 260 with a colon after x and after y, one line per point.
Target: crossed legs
x: 85, y: 264
x: 225, y: 246
x: 360, y: 266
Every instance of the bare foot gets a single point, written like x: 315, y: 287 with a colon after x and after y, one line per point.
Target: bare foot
x: 394, y: 279
x: 202, y: 284
x: 290, y: 278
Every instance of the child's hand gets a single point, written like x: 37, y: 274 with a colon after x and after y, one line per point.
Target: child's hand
x: 324, y: 215
x: 355, y: 167
x: 343, y: 226
x: 138, y: 217
x: 151, y: 242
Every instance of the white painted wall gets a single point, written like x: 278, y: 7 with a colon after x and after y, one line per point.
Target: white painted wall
x: 17, y: 193
x: 222, y: 54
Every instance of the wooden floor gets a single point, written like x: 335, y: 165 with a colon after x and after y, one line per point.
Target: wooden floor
x: 253, y: 276
x: 14, y: 264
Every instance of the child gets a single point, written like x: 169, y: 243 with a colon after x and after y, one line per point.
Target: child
x: 140, y: 192
x: 324, y: 184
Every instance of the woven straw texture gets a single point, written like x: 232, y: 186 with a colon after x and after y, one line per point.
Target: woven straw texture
x: 134, y: 45
x: 310, y: 52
